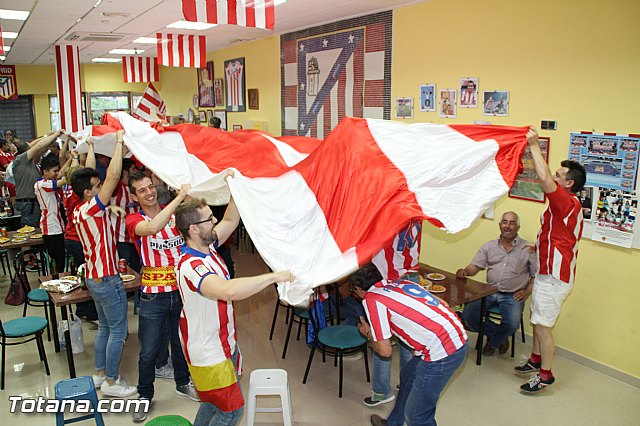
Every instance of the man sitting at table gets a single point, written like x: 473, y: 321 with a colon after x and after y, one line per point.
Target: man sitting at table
x: 157, y: 240
x: 207, y: 324
x: 424, y: 323
x: 511, y: 266
x: 95, y: 226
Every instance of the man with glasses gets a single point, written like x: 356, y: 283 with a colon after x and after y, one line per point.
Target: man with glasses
x: 207, y: 324
x: 157, y: 239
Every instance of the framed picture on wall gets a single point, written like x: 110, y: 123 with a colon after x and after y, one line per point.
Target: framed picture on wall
x: 234, y: 85
x: 237, y: 127
x: 206, y: 97
x: 496, y: 103
x: 217, y: 92
x: 209, y: 115
x: 447, y: 103
x: 202, y: 115
x: 526, y: 185
x: 404, y: 107
x: 222, y: 115
x: 254, y: 102
x: 427, y: 97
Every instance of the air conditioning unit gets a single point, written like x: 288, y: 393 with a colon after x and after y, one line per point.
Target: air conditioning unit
x: 79, y: 36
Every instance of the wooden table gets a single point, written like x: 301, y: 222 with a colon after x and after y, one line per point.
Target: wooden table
x: 460, y: 291
x: 19, y: 245
x: 63, y: 300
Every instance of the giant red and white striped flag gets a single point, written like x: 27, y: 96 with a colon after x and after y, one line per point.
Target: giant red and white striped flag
x: 322, y: 209
x: 246, y: 13
x: 68, y: 87
x: 137, y: 69
x: 151, y: 107
x: 182, y: 50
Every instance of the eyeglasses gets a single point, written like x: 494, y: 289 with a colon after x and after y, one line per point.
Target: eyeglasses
x: 204, y: 221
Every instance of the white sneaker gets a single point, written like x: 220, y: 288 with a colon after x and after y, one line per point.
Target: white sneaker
x: 188, y: 391
x: 98, y: 381
x: 164, y: 372
x: 118, y: 389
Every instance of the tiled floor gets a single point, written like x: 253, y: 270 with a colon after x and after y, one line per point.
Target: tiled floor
x: 486, y: 395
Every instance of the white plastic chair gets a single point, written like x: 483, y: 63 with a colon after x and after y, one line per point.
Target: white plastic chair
x: 269, y: 382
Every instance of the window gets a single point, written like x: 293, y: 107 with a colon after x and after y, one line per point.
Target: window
x: 100, y: 103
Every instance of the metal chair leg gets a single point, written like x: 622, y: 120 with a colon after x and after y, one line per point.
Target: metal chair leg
x: 286, y: 342
x: 306, y: 371
x: 275, y: 317
x: 42, y: 352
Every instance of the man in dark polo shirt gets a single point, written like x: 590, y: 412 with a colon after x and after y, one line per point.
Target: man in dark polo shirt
x: 26, y: 173
x: 511, y: 267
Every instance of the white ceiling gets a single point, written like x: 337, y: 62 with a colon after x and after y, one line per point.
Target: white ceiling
x: 52, y: 20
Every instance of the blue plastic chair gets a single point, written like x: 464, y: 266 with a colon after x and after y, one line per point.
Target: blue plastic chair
x: 25, y: 329
x: 337, y: 340
x: 75, y: 389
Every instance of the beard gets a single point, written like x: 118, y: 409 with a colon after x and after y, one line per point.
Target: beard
x: 207, y: 240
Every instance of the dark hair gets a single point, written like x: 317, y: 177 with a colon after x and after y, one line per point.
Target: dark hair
x: 81, y: 180
x: 127, y: 163
x: 365, y: 277
x: 49, y: 162
x: 187, y: 214
x: 576, y: 173
x: 215, y: 122
x: 136, y: 176
x: 3, y: 142
x: 22, y: 148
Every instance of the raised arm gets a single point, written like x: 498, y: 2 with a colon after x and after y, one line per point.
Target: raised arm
x: 41, y: 146
x: 540, y: 165
x: 90, y: 161
x: 156, y: 224
x: 229, y: 222
x: 113, y: 171
x: 215, y: 287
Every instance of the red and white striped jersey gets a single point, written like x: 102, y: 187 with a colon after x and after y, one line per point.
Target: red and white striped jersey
x: 207, y: 327
x: 161, y: 249
x: 234, y: 71
x: 122, y: 198
x: 71, y: 202
x: 46, y: 192
x: 561, y: 230
x: 405, y: 309
x: 96, y: 230
x: 402, y: 255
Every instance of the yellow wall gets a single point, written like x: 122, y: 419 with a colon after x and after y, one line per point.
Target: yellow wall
x: 573, y: 61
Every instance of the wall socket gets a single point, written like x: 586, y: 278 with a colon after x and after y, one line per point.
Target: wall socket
x: 548, y: 125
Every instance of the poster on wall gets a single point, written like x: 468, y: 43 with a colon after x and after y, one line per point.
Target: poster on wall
x: 447, y: 103
x: 527, y: 186
x: 234, y: 72
x: 217, y: 90
x: 615, y: 217
x: 8, y: 82
x: 611, y: 160
x: 496, y: 103
x: 427, y: 97
x: 206, y: 96
x: 469, y: 92
x: 404, y: 107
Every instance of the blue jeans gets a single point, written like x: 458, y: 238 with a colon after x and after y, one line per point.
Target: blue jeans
x: 29, y: 212
x: 111, y: 304
x: 210, y: 415
x: 510, y: 310
x: 155, y: 309
x: 382, y: 369
x: 421, y: 383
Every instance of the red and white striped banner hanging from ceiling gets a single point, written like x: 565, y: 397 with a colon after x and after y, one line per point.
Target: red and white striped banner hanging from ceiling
x: 136, y: 69
x: 182, y: 50
x: 1, y: 42
x: 68, y: 87
x: 246, y: 13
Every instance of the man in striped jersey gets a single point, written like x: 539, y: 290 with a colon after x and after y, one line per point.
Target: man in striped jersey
x: 122, y: 198
x: 157, y: 239
x: 207, y: 323
x: 425, y: 324
x: 95, y: 226
x: 557, y: 248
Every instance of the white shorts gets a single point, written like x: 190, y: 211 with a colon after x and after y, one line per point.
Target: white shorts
x: 546, y: 300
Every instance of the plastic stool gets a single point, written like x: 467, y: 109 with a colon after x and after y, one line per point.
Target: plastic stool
x: 168, y: 421
x: 269, y: 382
x: 75, y: 389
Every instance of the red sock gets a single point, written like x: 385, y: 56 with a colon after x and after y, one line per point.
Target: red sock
x: 545, y: 374
x: 535, y: 358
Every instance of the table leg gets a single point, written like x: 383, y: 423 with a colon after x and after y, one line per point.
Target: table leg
x: 54, y: 325
x: 483, y: 313
x: 67, y: 341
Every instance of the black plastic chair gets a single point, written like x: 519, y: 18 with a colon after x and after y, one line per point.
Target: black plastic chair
x: 25, y: 329
x: 493, y: 314
x: 37, y: 298
x: 337, y: 340
x: 279, y: 303
x: 4, y: 259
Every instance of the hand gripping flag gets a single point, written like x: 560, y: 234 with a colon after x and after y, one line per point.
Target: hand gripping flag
x: 246, y: 13
x: 322, y: 209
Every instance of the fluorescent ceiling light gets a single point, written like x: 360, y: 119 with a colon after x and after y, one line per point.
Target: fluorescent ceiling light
x: 125, y: 51
x: 277, y: 2
x: 9, y: 34
x: 186, y: 25
x: 146, y: 40
x: 106, y: 60
x: 18, y: 15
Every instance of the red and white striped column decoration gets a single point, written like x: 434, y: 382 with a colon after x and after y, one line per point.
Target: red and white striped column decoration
x: 68, y: 86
